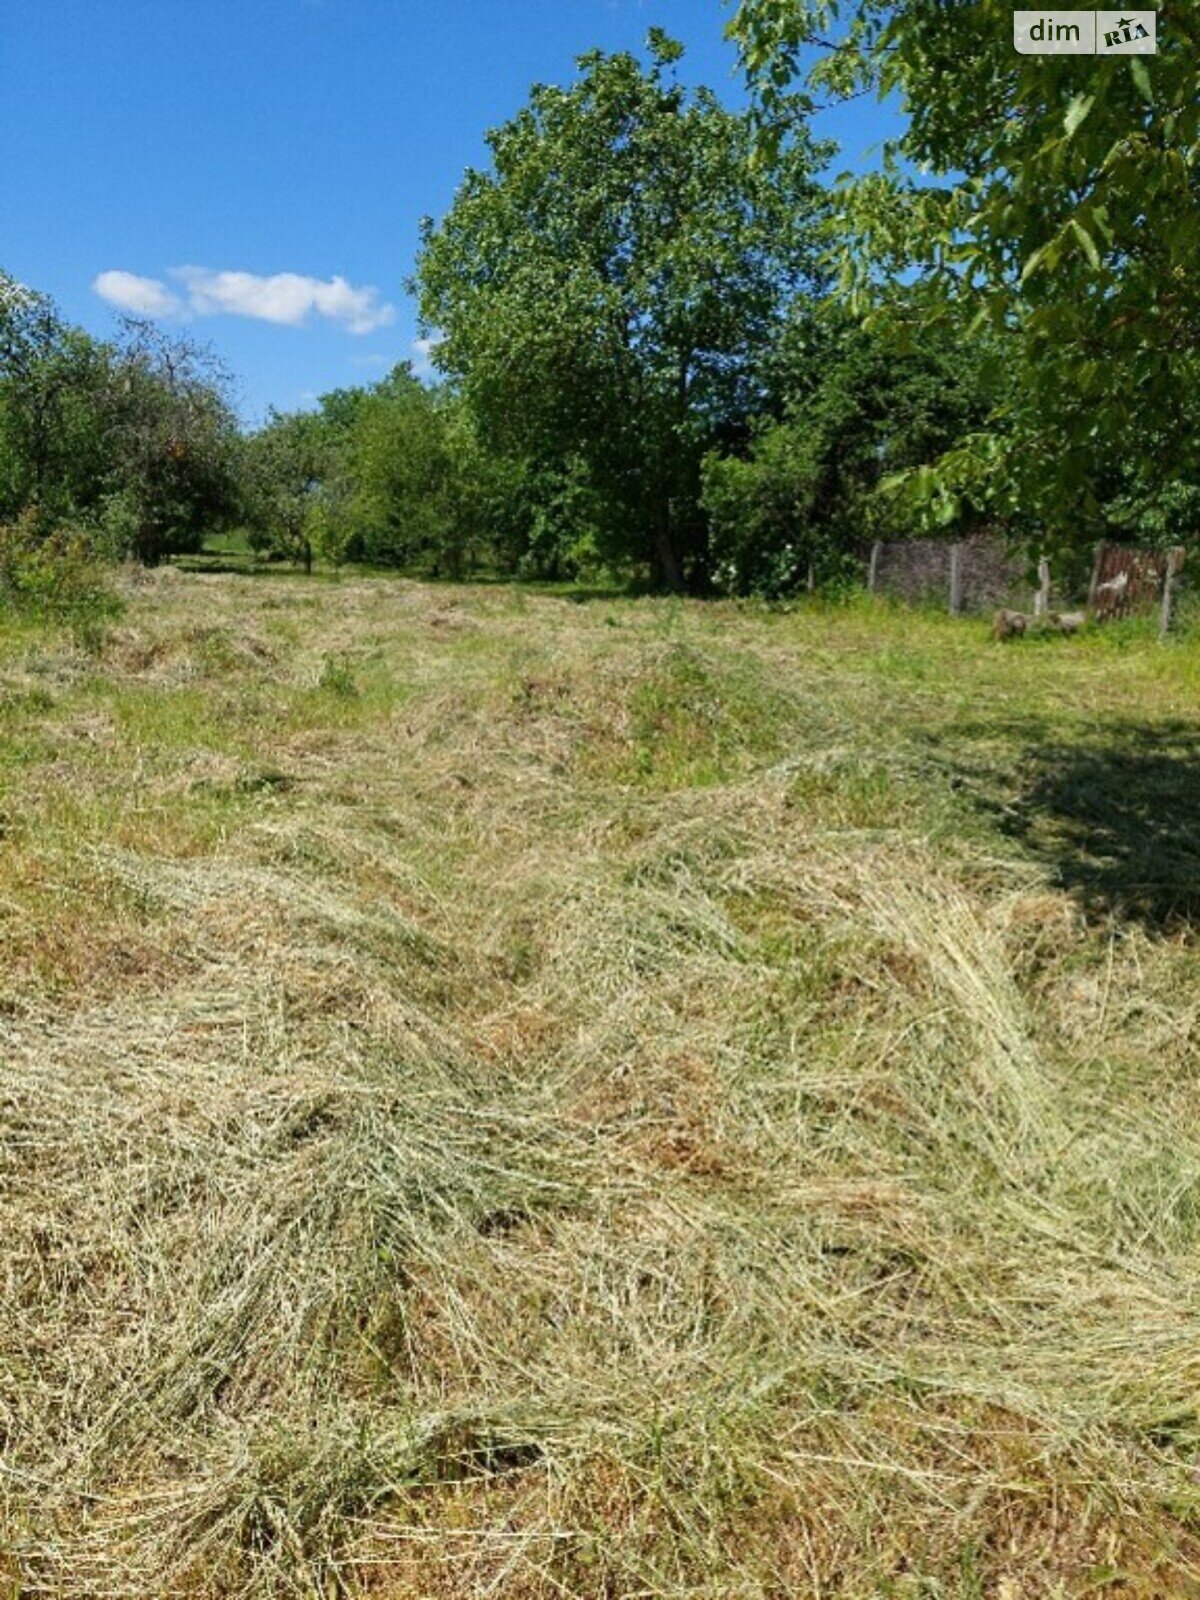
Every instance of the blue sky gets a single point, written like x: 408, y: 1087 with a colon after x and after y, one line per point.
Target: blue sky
x: 255, y: 170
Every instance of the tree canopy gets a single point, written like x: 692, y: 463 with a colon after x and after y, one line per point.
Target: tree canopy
x: 847, y: 411
x: 605, y: 292
x: 133, y: 438
x: 1054, y: 197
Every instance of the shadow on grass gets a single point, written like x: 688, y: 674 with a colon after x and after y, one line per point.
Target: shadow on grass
x: 578, y: 591
x: 241, y: 566
x: 215, y: 562
x: 212, y: 564
x: 1119, y: 820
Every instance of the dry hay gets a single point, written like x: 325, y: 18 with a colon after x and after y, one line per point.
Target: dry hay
x: 544, y: 1170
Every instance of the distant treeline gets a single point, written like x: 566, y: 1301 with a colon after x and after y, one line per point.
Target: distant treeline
x: 657, y: 363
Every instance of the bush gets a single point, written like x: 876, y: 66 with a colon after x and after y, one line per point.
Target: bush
x: 57, y: 572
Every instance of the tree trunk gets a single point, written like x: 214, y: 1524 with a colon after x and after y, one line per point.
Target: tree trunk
x: 670, y: 571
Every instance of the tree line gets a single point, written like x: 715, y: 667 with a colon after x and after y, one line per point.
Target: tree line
x: 670, y: 348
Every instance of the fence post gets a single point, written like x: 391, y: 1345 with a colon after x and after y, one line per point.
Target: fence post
x: 1174, y: 562
x: 955, y: 579
x: 1041, y: 600
x: 873, y: 569
x: 1097, y: 568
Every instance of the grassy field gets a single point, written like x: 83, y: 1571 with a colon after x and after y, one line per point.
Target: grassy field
x: 510, y: 1097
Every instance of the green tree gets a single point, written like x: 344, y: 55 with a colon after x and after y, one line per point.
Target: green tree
x: 133, y: 439
x: 53, y: 379
x: 393, y: 475
x: 850, y: 410
x: 404, y: 466
x: 285, y: 468
x: 1064, y: 206
x: 606, y: 290
x: 171, y: 438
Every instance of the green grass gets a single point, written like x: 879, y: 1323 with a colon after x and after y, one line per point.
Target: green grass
x: 502, y: 1095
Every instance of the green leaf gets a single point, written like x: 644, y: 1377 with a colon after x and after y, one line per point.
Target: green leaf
x: 1088, y: 243
x: 947, y: 509
x: 1079, y: 108
x: 1034, y: 262
x: 1141, y: 77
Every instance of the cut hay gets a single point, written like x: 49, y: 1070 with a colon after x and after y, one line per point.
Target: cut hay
x: 589, y: 1112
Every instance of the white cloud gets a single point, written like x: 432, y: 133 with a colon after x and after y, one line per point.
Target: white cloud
x: 422, y: 350
x: 145, y: 297
x: 284, y: 297
x: 289, y: 298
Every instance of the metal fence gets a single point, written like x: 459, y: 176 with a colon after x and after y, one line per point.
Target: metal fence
x: 982, y: 574
x: 976, y: 574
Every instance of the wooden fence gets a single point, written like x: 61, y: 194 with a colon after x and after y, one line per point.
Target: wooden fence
x: 1127, y: 579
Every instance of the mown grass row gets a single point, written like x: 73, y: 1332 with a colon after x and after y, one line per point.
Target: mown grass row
x: 634, y: 1098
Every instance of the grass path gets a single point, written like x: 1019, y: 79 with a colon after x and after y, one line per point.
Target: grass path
x: 501, y: 1096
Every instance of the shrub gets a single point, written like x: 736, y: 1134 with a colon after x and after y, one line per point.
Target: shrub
x: 57, y: 572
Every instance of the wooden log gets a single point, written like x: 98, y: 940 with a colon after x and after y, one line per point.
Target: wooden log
x: 1174, y: 563
x: 956, y: 585
x: 1065, y: 621
x: 873, y: 569
x: 1009, y: 625
x: 1097, y: 569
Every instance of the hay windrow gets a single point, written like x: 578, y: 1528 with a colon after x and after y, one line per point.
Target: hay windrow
x: 497, y: 1103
